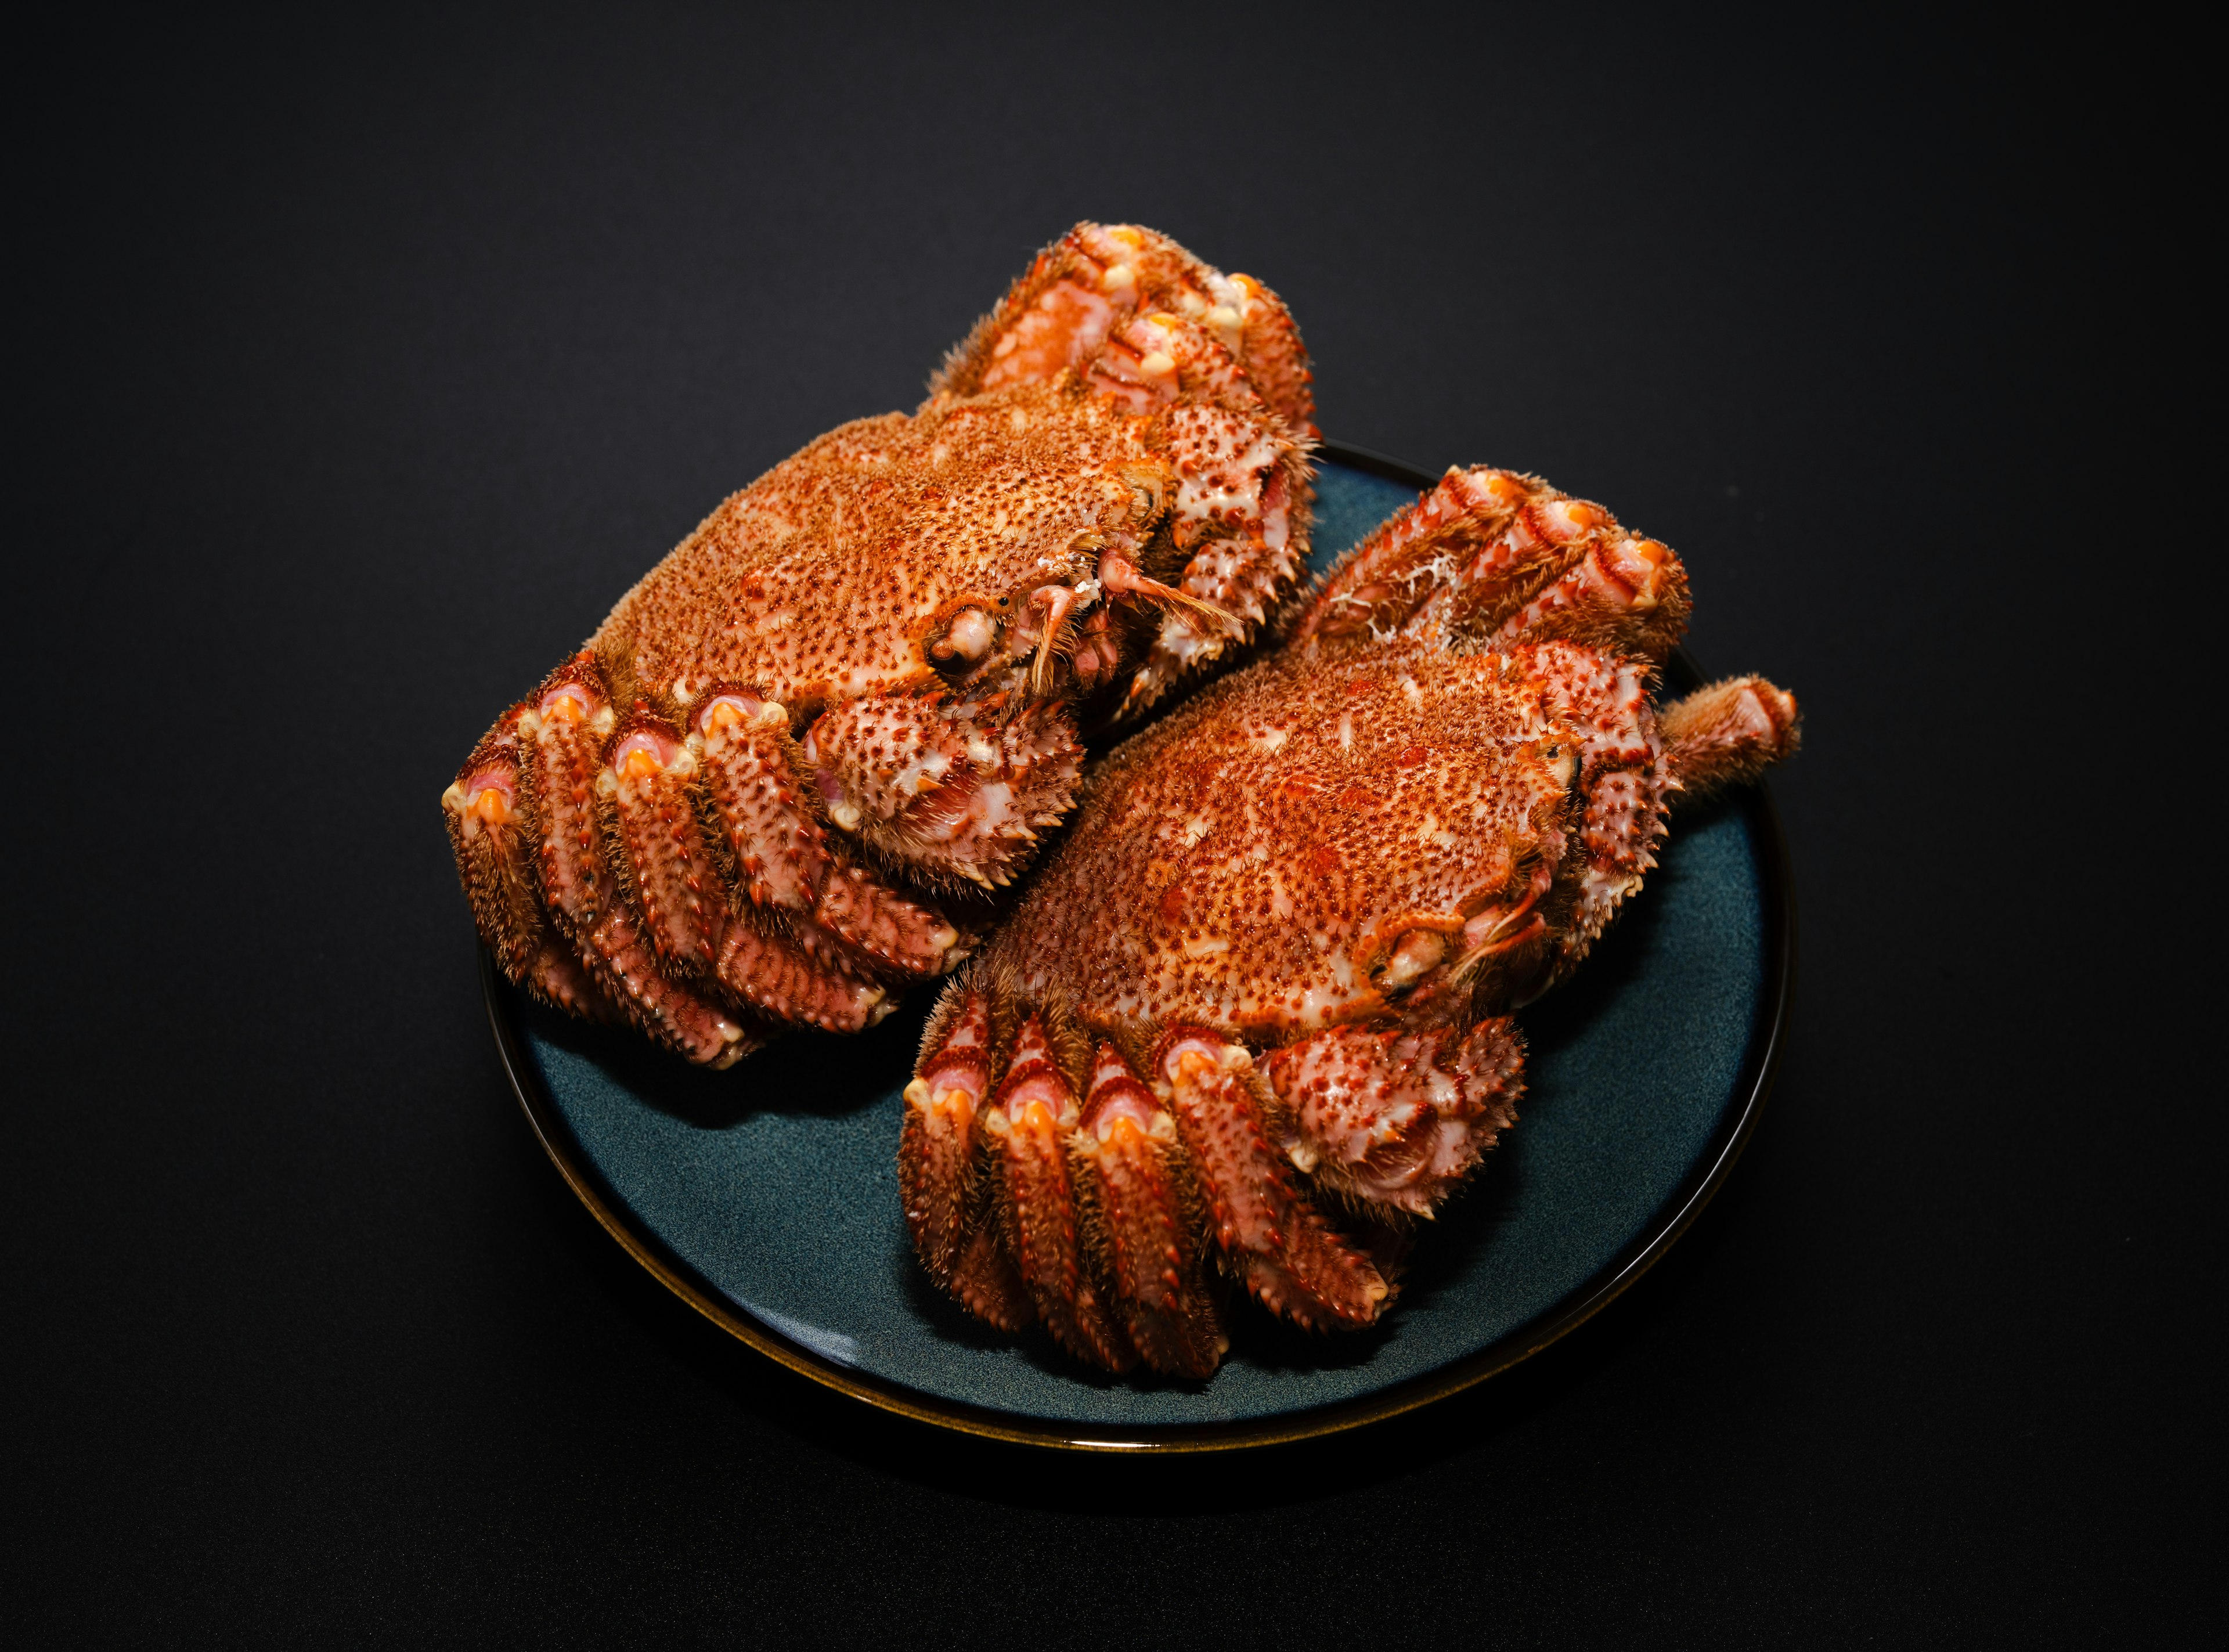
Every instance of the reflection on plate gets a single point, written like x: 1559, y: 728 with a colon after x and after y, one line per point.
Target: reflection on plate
x: 766, y: 1195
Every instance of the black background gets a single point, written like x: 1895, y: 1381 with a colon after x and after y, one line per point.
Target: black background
x: 357, y: 366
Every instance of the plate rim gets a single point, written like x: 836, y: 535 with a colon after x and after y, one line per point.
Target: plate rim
x: 1760, y: 1067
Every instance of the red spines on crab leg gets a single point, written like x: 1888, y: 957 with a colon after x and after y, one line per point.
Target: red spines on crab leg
x: 1028, y: 1123
x: 1728, y: 733
x: 565, y: 738
x: 1494, y: 557
x: 492, y: 836
x: 785, y: 862
x: 937, y: 1172
x: 1287, y: 1254
x: 1144, y: 1209
x: 946, y: 791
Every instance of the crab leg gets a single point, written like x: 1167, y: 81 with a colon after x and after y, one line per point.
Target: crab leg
x: 563, y: 736
x: 488, y: 831
x: 1029, y: 1121
x: 1505, y: 558
x: 942, y: 1171
x: 1131, y: 1161
x: 645, y: 787
x: 936, y: 1143
x: 1289, y: 1256
x: 784, y: 860
x: 1623, y: 594
x: 1728, y: 734
x: 772, y: 974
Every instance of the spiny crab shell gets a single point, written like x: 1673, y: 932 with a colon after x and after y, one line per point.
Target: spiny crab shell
x: 779, y: 776
x: 1252, y: 1020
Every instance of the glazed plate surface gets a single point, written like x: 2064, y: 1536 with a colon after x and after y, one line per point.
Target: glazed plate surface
x: 768, y: 1195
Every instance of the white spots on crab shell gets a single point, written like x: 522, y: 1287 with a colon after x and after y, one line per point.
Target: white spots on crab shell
x: 990, y: 810
x: 1228, y: 483
x: 1324, y: 1002
x: 923, y: 774
x: 1232, y: 307
x: 1345, y: 814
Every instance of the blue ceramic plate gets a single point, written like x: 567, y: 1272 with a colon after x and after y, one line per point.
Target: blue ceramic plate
x: 767, y: 1196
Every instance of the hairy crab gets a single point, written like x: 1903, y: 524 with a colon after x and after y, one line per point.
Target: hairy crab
x: 1264, y: 987
x: 857, y: 691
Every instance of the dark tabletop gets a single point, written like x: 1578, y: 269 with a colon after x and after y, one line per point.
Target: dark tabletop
x: 356, y: 369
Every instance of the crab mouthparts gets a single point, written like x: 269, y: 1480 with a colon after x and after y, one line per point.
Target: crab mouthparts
x: 1057, y: 601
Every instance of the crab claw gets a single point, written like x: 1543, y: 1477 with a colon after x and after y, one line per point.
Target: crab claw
x: 1399, y: 1118
x: 946, y: 787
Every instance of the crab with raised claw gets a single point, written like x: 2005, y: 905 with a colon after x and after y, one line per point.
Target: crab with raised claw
x: 857, y: 691
x: 1263, y: 988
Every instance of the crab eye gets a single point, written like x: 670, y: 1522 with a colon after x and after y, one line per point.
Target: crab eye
x: 966, y: 639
